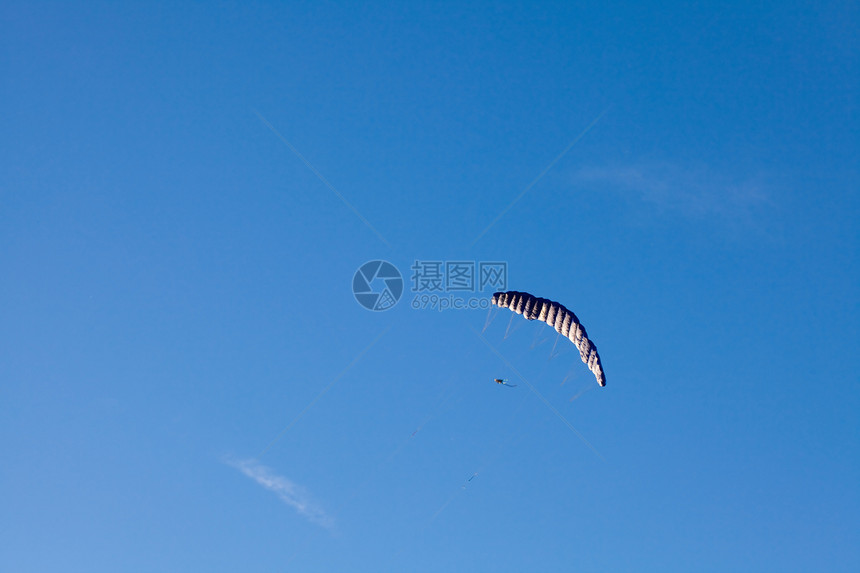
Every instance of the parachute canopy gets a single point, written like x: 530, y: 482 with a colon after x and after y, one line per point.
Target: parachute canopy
x: 557, y: 316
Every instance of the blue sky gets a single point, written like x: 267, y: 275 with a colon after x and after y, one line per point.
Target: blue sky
x: 187, y: 382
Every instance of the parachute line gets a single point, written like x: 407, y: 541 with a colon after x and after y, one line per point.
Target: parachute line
x: 581, y: 392
x: 491, y: 314
x: 552, y: 353
x: 508, y: 330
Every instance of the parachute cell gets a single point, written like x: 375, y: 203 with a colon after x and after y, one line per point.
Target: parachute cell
x: 557, y: 316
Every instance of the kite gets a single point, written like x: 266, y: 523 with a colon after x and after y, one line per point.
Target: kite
x: 556, y: 315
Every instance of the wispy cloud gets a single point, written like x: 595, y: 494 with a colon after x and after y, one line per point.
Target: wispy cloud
x: 691, y: 191
x: 290, y: 493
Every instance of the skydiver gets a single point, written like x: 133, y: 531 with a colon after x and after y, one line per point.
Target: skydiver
x: 503, y: 382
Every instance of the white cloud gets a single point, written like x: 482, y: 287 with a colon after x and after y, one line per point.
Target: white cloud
x: 290, y: 493
x: 691, y: 191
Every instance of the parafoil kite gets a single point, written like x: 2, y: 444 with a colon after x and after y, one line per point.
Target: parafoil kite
x: 556, y: 315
